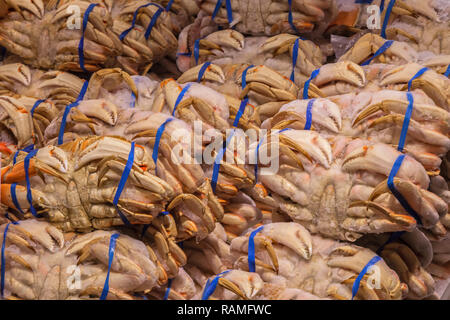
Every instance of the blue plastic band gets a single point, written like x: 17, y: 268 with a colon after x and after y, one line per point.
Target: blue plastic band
x: 67, y: 110
x: 394, y: 236
x: 26, y: 165
x: 408, y: 113
x: 144, y: 229
x: 112, y: 248
x: 363, y: 1
x: 240, y: 112
x: 163, y: 213
x: 229, y: 11
x: 26, y: 149
x: 81, y: 43
x: 382, y: 6
x: 314, y: 74
x: 169, y: 5
x: 215, y: 174
x: 169, y: 285
x: 133, y: 23
x: 357, y: 282
x: 123, y: 180
x: 244, y: 76
x: 257, y: 152
x: 216, y: 9
x: 291, y: 19
x: 180, y: 97
x: 447, y: 73
x: 14, y: 197
x: 294, y: 59
x: 9, y: 218
x: 197, y: 51
x: 133, y: 100
x: 386, y: 17
x: 153, y: 22
x: 417, y: 75
x: 380, y: 51
x: 159, y: 133
x: 186, y: 54
x: 251, y: 249
x: 211, y: 286
x: 398, y: 195
x: 309, y: 114
x: 202, y: 71
x: 36, y: 104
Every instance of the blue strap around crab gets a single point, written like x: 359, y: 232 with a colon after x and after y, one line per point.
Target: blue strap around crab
x: 417, y: 75
x: 211, y: 285
x: 14, y: 197
x: 357, y: 282
x: 169, y: 285
x: 133, y: 22
x: 67, y: 110
x: 202, y: 71
x: 251, y: 249
x: 244, y: 76
x: 314, y: 74
x: 81, y: 43
x: 219, y: 157
x: 35, y: 105
x: 3, y: 262
x: 447, y: 73
x: 380, y: 51
x: 392, y: 237
x: 112, y: 248
x: 386, y: 17
x: 169, y: 5
x: 390, y: 182
x: 123, y: 181
x: 382, y: 5
x: 363, y: 1
x: 197, y: 51
x: 146, y: 226
x: 159, y: 133
x: 133, y: 100
x: 26, y: 149
x: 153, y: 22
x: 257, y: 152
x: 291, y: 19
x: 242, y: 106
x: 309, y: 114
x: 180, y: 97
x: 405, y: 126
x: 26, y: 165
x: 228, y: 7
x: 294, y: 59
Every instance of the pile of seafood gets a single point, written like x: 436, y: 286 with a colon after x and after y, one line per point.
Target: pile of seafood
x: 208, y: 149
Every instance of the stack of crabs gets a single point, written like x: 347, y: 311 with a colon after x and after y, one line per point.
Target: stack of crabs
x: 108, y: 108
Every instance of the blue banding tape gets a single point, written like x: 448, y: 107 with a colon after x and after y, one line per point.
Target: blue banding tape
x: 133, y: 100
x: 67, y: 110
x: 294, y: 59
x: 257, y: 152
x: 169, y: 5
x: 35, y: 105
x: 159, y: 133
x: 197, y: 50
x: 314, y: 74
x: 169, y: 285
x: 394, y: 236
x: 216, y: 9
x: 14, y: 197
x: 240, y: 111
x: 386, y: 17
x: 398, y: 195
x: 357, y: 282
x: 180, y: 97
x: 309, y: 114
x: 211, y: 286
x: 408, y: 113
x: 291, y: 19
x: 26, y: 165
x: 112, y: 248
x: 382, y: 6
x: 229, y: 11
x: 26, y: 149
x: 244, y: 76
x: 153, y: 22
x: 187, y: 54
x: 417, y: 75
x: 251, y: 249
x: 81, y: 43
x: 216, y: 167
x: 363, y: 1
x: 203, y: 70
x: 380, y: 51
x: 123, y: 180
x: 133, y: 23
x: 447, y: 73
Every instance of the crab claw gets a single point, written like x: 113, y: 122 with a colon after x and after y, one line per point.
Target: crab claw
x: 100, y: 109
x: 109, y: 79
x: 14, y: 73
x: 213, y: 73
x: 345, y: 71
x: 227, y: 38
x: 36, y: 7
x: 16, y: 119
